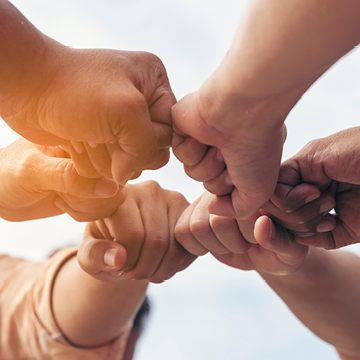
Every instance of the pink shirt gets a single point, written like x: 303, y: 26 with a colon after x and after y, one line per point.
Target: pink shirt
x: 27, y: 326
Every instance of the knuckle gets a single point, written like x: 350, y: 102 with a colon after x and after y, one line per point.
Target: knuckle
x: 199, y: 226
x: 68, y: 175
x: 157, y: 242
x: 218, y: 223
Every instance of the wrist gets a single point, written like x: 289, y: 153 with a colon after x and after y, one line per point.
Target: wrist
x: 226, y: 106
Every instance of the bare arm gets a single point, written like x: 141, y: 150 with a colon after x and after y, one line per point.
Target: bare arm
x: 92, y: 312
x: 320, y: 287
x: 281, y: 48
x: 118, y: 257
x: 324, y: 295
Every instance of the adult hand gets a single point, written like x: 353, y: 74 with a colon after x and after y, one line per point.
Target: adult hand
x: 224, y: 145
x: 109, y: 109
x: 200, y: 232
x: 276, y: 253
x: 137, y: 242
x: 332, y: 165
x: 40, y: 181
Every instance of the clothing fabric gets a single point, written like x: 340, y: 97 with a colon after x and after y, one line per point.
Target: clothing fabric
x: 28, y: 329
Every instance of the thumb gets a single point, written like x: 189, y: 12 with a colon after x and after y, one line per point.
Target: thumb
x: 100, y: 255
x: 60, y: 175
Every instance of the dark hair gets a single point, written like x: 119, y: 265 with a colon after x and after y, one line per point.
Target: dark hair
x: 142, y: 314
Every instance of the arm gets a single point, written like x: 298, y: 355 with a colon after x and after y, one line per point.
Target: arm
x: 95, y: 298
x: 280, y: 49
x: 110, y: 109
x: 319, y: 286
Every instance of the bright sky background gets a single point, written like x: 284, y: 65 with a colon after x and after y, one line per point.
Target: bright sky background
x: 209, y: 311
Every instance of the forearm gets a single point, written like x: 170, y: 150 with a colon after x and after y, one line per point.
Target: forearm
x: 324, y: 294
x: 281, y: 48
x: 91, y: 312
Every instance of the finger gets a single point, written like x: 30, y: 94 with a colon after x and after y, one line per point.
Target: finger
x: 163, y: 134
x: 61, y: 176
x: 99, y: 255
x: 135, y: 135
x: 82, y: 209
x: 289, y: 198
x: 238, y: 261
x: 341, y: 235
x: 188, y: 150
x: 130, y: 234
x: 201, y: 229
x: 210, y: 167
x: 278, y: 240
x: 253, y: 173
x: 161, y: 160
x: 183, y: 234
x: 176, y: 257
x: 99, y: 158
x: 82, y: 162
x: 229, y: 234
x: 221, y: 185
x: 307, y: 218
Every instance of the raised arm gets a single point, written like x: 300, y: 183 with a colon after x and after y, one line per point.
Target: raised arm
x: 279, y: 50
x: 110, y: 109
x: 319, y: 286
x: 95, y: 298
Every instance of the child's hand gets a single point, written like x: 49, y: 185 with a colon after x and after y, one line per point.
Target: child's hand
x: 137, y: 242
x: 39, y: 181
x: 109, y: 109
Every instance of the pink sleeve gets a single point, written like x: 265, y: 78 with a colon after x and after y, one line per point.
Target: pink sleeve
x: 27, y: 326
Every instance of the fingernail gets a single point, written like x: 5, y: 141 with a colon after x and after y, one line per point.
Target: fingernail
x: 228, y: 181
x: 324, y: 226
x: 106, y: 188
x: 326, y: 207
x: 219, y: 156
x: 59, y: 203
x: 128, y: 276
x: 118, y: 274
x: 272, y: 231
x: 92, y: 144
x: 109, y: 257
x: 312, y: 197
x: 78, y: 146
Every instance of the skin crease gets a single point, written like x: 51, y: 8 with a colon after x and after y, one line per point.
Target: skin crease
x: 117, y: 259
x: 109, y: 109
x: 241, y: 108
x: 320, y: 287
x: 330, y: 165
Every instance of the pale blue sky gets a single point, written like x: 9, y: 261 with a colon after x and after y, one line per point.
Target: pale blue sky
x: 209, y: 311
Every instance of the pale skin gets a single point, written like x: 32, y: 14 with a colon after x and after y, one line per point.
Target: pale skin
x: 41, y: 181
x: 109, y: 109
x: 320, y: 287
x: 230, y: 133
x: 117, y: 259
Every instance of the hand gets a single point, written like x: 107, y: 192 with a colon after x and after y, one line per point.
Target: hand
x: 199, y: 232
x: 39, y: 181
x: 330, y: 164
x: 227, y: 145
x: 276, y: 253
x: 137, y: 242
x: 253, y: 244
x: 109, y: 109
